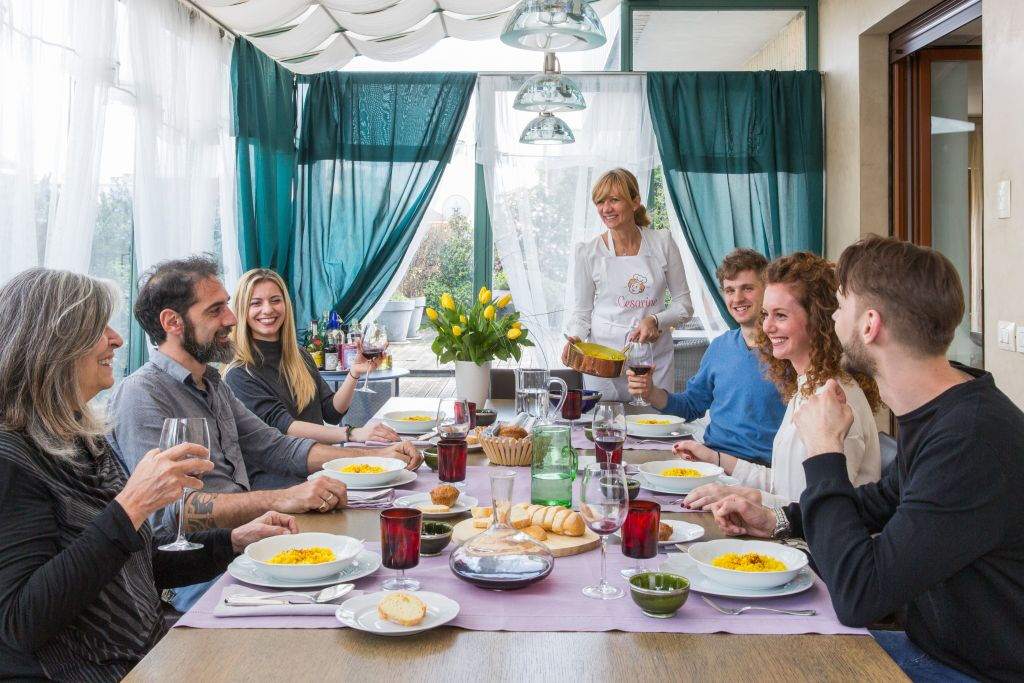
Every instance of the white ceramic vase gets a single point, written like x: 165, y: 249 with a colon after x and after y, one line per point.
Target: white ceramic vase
x: 472, y: 381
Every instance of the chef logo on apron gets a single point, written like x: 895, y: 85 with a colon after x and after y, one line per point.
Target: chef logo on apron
x: 635, y: 285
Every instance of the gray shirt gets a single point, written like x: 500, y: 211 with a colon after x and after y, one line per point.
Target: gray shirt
x: 163, y: 388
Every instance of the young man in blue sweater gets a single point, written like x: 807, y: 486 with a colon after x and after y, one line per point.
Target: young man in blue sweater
x: 746, y: 409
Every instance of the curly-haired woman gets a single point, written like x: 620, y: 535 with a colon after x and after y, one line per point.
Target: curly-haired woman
x: 798, y: 343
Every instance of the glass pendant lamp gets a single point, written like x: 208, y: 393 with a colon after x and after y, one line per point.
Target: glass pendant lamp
x: 554, y: 26
x: 549, y: 91
x: 547, y: 129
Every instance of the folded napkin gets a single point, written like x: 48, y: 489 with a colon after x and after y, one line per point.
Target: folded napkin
x: 369, y: 495
x: 304, y: 609
x: 367, y: 444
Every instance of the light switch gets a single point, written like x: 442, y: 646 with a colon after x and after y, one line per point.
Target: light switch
x: 1003, y: 199
x: 1006, y: 335
x: 1020, y: 338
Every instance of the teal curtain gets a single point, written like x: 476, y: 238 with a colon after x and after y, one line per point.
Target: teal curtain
x: 264, y: 99
x: 743, y: 158
x: 371, y: 150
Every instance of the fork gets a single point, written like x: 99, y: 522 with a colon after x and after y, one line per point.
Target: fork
x: 741, y: 610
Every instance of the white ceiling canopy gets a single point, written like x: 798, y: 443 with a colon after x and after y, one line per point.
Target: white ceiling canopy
x: 310, y: 36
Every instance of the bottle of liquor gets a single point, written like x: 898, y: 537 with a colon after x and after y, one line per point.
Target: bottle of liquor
x: 331, y: 352
x: 316, y: 344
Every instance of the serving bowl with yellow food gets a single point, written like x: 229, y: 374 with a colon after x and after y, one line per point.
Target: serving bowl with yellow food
x: 753, y: 565
x: 410, y: 421
x: 303, y: 557
x: 365, y: 471
x: 595, y: 359
x: 655, y: 425
x: 678, y: 476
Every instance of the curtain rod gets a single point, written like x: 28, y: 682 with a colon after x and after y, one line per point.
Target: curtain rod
x: 564, y: 73
x: 209, y: 16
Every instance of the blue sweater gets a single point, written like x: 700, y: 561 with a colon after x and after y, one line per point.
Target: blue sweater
x: 746, y: 409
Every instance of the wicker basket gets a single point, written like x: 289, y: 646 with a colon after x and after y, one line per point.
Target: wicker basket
x: 504, y: 450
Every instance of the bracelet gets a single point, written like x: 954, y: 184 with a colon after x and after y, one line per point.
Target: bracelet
x: 719, y: 458
x: 348, y: 433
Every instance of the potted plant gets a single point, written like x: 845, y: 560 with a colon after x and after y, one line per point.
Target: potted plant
x: 395, y: 317
x: 418, y: 303
x: 473, y: 337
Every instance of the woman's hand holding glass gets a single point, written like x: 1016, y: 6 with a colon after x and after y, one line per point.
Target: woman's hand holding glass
x: 161, y: 478
x: 363, y: 365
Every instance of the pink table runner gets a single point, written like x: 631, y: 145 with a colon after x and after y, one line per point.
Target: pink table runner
x: 556, y: 604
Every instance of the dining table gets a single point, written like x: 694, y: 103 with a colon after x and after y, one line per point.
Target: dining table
x: 449, y: 653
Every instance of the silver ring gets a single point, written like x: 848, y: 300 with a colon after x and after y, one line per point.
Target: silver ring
x: 328, y: 498
x: 323, y: 507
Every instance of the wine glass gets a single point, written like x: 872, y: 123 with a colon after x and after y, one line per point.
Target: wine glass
x: 375, y: 341
x: 603, y: 505
x: 609, y: 431
x: 400, y: 546
x: 640, y: 534
x: 454, y: 418
x: 179, y: 430
x: 640, y: 358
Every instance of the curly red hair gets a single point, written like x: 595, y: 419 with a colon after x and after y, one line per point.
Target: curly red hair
x: 813, y: 282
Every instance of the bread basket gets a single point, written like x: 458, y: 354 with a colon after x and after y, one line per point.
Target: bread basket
x: 504, y: 450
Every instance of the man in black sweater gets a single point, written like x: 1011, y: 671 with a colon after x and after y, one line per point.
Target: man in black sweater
x: 943, y: 533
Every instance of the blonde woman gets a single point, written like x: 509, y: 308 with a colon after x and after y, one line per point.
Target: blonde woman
x: 277, y: 379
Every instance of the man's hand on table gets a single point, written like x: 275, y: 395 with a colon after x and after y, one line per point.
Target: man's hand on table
x: 268, y: 524
x: 738, y: 516
x: 317, y: 495
x: 405, y: 451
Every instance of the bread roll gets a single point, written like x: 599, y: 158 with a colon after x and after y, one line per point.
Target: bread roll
x: 664, y: 531
x: 536, y: 532
x: 513, y: 431
x: 445, y: 494
x: 402, y: 608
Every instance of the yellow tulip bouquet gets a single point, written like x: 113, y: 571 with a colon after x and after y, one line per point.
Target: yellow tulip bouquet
x: 477, y: 334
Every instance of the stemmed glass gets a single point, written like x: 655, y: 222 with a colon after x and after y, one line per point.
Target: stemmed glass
x: 609, y: 431
x: 375, y: 342
x: 640, y: 534
x: 640, y: 359
x: 603, y: 505
x: 179, y: 430
x: 453, y: 422
x: 400, y: 546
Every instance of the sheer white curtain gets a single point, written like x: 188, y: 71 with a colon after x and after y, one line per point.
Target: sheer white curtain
x: 539, y: 196
x: 57, y: 63
x: 184, y: 167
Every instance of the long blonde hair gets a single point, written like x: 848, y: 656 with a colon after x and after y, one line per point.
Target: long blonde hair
x: 293, y: 369
x: 49, y: 320
x: 622, y: 183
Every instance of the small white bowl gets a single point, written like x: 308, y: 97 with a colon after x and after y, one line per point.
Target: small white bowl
x: 704, y: 553
x: 398, y: 420
x: 668, y: 424
x: 345, y: 550
x: 392, y: 468
x: 651, y: 471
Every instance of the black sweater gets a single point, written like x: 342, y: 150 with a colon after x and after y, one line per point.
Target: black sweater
x: 48, y: 579
x: 949, y: 520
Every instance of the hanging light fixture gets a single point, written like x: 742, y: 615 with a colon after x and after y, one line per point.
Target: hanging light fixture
x: 547, y: 129
x: 549, y: 91
x: 554, y: 26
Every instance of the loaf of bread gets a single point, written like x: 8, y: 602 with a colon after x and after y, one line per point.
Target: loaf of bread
x: 402, y: 608
x: 513, y: 431
x: 536, y: 532
x: 554, y: 518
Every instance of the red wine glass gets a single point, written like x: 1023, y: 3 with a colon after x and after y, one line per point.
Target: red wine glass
x: 603, y: 505
x: 640, y: 359
x: 400, y: 545
x: 640, y: 533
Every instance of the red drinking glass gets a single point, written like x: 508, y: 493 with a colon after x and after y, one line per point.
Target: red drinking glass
x: 400, y: 545
x: 472, y: 415
x: 451, y: 460
x: 640, y: 533
x: 573, y: 406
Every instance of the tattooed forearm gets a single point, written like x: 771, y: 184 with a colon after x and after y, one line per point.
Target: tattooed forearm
x: 199, y: 511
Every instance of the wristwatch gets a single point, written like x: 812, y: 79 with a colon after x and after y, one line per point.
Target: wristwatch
x: 782, y: 529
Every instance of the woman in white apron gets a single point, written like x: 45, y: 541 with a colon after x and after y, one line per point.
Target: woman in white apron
x: 621, y: 279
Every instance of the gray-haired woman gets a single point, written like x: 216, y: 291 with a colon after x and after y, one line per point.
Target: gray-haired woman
x: 79, y: 573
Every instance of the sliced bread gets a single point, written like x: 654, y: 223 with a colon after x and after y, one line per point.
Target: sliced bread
x: 402, y: 609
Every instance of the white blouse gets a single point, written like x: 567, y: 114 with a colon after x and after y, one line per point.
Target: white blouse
x: 656, y: 243
x: 784, y: 481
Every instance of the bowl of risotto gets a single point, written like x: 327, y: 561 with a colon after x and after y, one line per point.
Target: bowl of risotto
x: 679, y: 476
x: 410, y: 421
x: 653, y: 424
x: 366, y: 471
x: 754, y: 565
x: 303, y: 557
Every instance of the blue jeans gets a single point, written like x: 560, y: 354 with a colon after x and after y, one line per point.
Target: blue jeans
x: 915, y: 662
x: 186, y: 596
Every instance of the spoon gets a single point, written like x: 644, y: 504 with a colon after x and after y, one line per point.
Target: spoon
x: 572, y: 343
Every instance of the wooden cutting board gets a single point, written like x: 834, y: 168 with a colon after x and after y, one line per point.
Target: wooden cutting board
x: 560, y: 546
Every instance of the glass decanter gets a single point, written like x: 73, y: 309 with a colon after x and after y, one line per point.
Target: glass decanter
x: 502, y: 557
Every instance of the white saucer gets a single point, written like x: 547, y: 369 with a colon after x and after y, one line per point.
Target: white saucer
x: 647, y: 486
x: 461, y: 505
x: 403, y: 478
x: 683, y: 565
x: 682, y: 532
x: 245, y: 570
x: 361, y: 613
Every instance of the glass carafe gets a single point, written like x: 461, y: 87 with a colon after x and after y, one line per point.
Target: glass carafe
x: 554, y: 466
x: 501, y: 558
x: 533, y: 386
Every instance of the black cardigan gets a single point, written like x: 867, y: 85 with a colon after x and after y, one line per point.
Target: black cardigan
x: 949, y: 519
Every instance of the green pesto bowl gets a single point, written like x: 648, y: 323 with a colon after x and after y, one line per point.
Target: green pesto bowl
x: 430, y: 457
x: 434, y: 537
x: 659, y: 594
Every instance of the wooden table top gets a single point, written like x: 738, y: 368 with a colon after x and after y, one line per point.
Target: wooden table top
x: 453, y: 654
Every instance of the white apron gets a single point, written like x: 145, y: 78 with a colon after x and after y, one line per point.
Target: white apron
x: 631, y: 288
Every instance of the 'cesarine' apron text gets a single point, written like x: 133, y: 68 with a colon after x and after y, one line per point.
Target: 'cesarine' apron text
x: 634, y: 303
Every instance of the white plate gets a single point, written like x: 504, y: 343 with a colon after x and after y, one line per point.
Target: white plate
x: 682, y: 532
x: 391, y: 467
x: 361, y: 613
x: 461, y: 505
x: 647, y: 486
x: 246, y: 571
x: 679, y: 431
x: 392, y: 419
x: 405, y: 477
x: 683, y: 565
x: 668, y: 423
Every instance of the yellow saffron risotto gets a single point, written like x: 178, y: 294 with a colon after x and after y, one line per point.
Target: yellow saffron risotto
x: 748, y: 562
x: 681, y: 472
x: 651, y: 421
x: 303, y: 556
x: 416, y: 418
x: 363, y: 469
